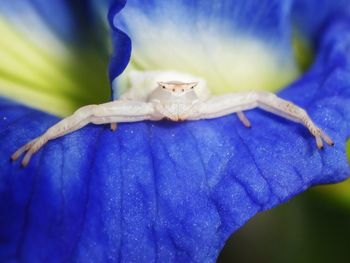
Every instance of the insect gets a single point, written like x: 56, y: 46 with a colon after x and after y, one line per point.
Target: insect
x: 176, y: 101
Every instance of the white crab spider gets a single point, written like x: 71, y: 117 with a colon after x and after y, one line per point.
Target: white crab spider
x: 176, y: 101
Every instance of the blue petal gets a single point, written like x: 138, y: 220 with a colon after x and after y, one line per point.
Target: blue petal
x: 121, y: 43
x: 311, y: 15
x: 213, y: 40
x: 167, y: 192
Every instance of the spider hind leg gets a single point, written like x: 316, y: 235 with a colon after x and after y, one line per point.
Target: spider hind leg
x: 243, y: 118
x: 113, y: 126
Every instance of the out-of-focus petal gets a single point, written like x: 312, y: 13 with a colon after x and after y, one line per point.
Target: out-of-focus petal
x: 46, y: 23
x: 234, y: 45
x: 52, y: 54
x: 168, y: 192
x: 311, y: 15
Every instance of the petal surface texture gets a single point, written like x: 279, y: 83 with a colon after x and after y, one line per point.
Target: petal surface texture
x: 168, y: 192
x: 234, y: 45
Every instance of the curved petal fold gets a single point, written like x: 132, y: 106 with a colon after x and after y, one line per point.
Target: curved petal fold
x: 312, y: 15
x: 121, y: 43
x: 168, y: 192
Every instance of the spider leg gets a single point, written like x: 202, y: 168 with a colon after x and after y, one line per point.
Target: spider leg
x: 238, y: 102
x: 79, y: 119
x: 243, y: 118
x: 112, y: 112
x: 22, y: 150
x: 286, y: 109
x: 114, y: 126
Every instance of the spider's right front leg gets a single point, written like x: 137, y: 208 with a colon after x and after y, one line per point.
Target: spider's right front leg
x: 112, y: 112
x: 74, y: 122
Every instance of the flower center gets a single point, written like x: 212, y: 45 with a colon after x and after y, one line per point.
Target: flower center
x: 228, y: 65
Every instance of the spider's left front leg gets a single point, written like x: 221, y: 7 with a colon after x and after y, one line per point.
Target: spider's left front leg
x: 239, y: 102
x: 112, y: 112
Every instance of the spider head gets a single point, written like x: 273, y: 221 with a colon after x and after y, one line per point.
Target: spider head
x: 178, y: 88
x: 175, y: 99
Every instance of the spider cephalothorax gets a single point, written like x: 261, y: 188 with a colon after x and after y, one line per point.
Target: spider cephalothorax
x: 174, y: 100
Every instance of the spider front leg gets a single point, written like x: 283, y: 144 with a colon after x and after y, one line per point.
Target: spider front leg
x: 79, y: 119
x: 111, y: 112
x: 288, y: 110
x: 239, y: 102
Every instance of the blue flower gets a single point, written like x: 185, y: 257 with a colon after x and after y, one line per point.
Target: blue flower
x: 162, y: 191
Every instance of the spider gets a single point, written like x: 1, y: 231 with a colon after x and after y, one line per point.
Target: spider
x: 176, y: 101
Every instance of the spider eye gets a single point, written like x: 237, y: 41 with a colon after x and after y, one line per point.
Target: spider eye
x: 182, y: 90
x: 163, y: 87
x: 173, y: 90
